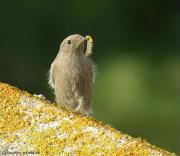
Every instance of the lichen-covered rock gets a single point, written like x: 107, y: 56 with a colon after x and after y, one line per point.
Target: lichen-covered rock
x: 30, y: 125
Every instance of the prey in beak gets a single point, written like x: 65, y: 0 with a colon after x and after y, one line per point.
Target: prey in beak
x: 88, y: 45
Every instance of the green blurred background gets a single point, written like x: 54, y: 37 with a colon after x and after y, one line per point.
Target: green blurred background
x: 136, y: 48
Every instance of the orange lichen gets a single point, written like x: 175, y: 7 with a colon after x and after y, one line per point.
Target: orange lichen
x: 31, y: 124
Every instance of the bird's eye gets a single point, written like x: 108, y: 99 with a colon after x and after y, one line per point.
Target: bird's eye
x: 68, y: 42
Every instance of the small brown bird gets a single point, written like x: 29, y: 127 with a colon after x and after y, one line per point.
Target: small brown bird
x: 72, y: 73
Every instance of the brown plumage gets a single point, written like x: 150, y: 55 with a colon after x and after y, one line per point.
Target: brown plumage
x: 72, y: 72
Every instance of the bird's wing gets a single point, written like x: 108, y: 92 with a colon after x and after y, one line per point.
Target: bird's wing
x: 52, y: 76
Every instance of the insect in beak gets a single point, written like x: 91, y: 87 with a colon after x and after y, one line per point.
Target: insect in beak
x: 89, y: 38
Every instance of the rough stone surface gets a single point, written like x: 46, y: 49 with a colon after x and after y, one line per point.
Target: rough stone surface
x: 30, y: 125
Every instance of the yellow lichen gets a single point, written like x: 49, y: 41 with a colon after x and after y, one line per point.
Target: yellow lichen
x: 10, y: 117
x: 48, y: 129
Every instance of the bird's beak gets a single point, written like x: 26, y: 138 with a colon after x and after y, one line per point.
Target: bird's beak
x: 85, y: 45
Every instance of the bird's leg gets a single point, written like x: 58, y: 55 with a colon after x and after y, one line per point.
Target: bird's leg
x: 81, y: 107
x: 89, y: 46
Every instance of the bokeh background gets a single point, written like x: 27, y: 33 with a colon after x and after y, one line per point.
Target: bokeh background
x: 137, y: 51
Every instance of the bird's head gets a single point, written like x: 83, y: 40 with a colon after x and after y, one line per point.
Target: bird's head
x: 73, y: 44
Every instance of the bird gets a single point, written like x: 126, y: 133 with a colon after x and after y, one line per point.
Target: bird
x: 72, y: 74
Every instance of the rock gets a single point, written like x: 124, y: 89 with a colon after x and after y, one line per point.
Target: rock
x: 30, y: 125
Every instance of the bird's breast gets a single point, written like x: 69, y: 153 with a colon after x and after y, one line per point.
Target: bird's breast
x: 74, y: 69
